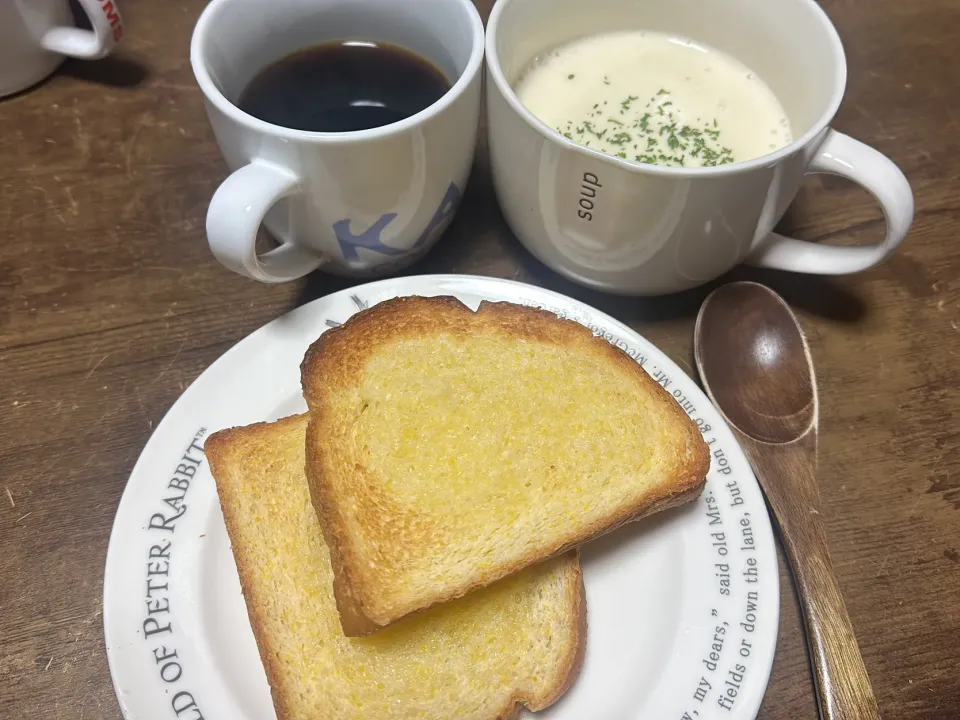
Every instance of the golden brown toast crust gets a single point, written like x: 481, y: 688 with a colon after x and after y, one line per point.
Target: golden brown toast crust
x: 573, y: 662
x: 222, y: 447
x: 218, y: 449
x: 338, y: 358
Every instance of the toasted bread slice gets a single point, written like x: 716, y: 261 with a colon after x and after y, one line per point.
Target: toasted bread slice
x: 519, y: 642
x: 449, y: 448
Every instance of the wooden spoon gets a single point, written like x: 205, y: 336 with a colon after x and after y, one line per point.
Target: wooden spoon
x: 756, y: 367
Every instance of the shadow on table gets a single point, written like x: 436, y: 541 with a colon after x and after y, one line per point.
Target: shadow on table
x: 112, y: 71
x: 821, y: 296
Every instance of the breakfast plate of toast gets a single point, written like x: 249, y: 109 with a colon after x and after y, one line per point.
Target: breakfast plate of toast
x: 441, y: 497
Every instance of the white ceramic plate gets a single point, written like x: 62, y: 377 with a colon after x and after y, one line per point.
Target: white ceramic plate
x: 682, y: 607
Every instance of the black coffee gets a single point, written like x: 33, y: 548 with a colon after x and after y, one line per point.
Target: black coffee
x: 343, y: 86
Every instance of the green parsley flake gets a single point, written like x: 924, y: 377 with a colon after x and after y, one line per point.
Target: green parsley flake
x: 654, y: 127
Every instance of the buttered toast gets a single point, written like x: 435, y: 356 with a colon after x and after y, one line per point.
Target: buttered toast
x: 518, y: 642
x: 449, y: 448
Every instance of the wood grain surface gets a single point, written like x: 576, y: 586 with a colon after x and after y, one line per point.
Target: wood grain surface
x: 111, y: 304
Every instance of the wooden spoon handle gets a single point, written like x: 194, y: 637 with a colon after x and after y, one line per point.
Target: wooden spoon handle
x: 843, y: 687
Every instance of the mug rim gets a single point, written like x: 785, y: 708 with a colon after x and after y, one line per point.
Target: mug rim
x: 212, y: 93
x: 772, y: 158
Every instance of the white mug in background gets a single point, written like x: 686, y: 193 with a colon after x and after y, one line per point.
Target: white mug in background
x: 36, y: 36
x: 355, y: 203
x: 650, y: 230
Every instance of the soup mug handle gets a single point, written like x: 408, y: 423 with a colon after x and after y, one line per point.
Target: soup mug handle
x: 234, y: 218
x: 841, y: 155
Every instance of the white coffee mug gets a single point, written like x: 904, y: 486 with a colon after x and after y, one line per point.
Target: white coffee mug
x: 356, y: 203
x: 652, y: 230
x: 36, y: 36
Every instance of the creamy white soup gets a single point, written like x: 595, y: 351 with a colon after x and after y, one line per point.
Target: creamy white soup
x: 653, y: 98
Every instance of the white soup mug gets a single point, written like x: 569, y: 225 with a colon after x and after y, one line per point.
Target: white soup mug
x: 36, y: 36
x: 354, y: 203
x: 649, y: 230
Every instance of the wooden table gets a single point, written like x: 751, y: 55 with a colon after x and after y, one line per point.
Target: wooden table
x: 111, y: 304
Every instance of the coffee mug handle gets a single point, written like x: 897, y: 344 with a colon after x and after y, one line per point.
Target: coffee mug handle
x: 841, y: 155
x: 88, y: 44
x: 235, y: 215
